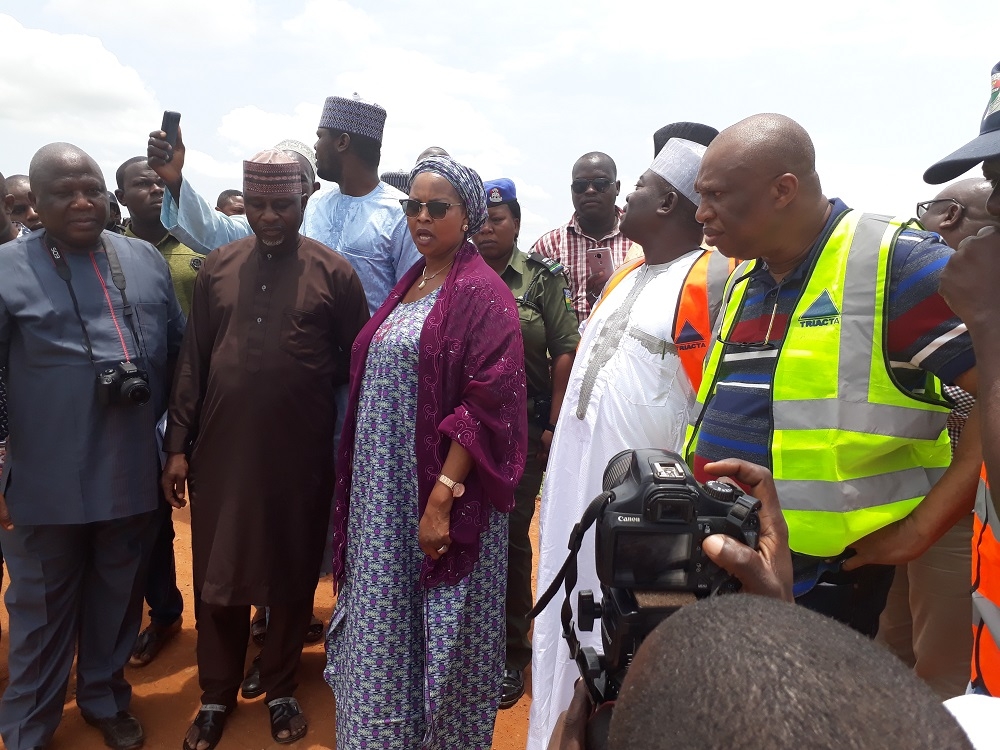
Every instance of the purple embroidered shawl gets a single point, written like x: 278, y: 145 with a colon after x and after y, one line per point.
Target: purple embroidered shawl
x: 471, y: 389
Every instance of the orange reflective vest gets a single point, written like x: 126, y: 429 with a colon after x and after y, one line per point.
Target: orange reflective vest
x: 985, y: 592
x: 698, y: 305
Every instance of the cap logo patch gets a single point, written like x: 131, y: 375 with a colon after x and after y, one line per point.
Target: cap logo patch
x: 495, y: 196
x: 994, y: 105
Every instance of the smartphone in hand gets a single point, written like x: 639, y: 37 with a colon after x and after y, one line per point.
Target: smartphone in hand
x: 171, y: 121
x: 599, y: 261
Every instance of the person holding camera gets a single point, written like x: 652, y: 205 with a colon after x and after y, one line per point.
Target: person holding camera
x: 89, y: 325
x: 549, y: 328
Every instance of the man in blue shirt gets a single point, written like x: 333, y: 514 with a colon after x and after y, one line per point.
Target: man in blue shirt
x: 82, y: 313
x: 360, y: 218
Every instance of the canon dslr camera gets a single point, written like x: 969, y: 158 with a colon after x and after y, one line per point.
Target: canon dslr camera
x: 649, y: 556
x: 123, y: 384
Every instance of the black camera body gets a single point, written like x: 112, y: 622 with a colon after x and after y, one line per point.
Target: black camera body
x: 649, y: 556
x: 123, y: 384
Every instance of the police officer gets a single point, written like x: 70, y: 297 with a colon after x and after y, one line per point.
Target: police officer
x: 549, y: 329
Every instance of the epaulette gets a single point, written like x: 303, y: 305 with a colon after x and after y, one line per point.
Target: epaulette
x: 553, y: 266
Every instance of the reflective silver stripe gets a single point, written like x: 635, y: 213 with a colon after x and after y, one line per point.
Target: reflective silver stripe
x: 718, y: 275
x: 856, y: 494
x: 983, y: 610
x: 858, y: 314
x: 877, y: 419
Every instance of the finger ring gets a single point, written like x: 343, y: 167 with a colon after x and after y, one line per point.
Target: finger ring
x: 442, y: 549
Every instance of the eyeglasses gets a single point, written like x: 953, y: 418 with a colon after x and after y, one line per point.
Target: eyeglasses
x: 923, y: 207
x: 435, y: 209
x: 759, y: 346
x: 601, y: 185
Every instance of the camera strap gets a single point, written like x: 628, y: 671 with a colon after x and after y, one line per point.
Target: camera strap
x: 117, y: 278
x: 568, y: 571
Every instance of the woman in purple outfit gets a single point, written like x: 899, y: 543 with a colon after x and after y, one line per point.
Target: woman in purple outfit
x: 433, y: 446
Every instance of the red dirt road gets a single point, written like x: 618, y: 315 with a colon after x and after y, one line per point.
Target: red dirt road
x: 166, y: 694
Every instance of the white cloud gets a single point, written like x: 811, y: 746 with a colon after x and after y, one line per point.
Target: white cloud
x: 166, y: 27
x: 337, y: 16
x: 67, y: 92
x: 252, y: 128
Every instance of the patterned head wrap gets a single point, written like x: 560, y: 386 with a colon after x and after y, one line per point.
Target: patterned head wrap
x: 466, y: 182
x: 272, y: 172
x: 399, y: 179
x: 353, y: 115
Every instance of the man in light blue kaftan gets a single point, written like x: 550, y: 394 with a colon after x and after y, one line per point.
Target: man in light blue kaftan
x: 360, y: 218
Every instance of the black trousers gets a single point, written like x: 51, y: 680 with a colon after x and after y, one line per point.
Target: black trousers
x: 223, y: 633
x: 74, y: 590
x: 519, y: 600
x: 856, y: 599
x: 162, y: 595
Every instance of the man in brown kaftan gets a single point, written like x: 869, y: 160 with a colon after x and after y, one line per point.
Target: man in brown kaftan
x: 272, y: 322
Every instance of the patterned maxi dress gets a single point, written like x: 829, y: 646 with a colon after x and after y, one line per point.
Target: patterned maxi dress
x: 410, y: 667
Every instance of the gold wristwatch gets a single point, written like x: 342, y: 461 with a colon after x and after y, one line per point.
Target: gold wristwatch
x: 457, y: 488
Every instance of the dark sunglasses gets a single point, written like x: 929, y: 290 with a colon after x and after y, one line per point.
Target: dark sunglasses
x: 601, y: 185
x: 435, y: 209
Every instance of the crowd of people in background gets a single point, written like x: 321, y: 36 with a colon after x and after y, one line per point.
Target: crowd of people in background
x: 371, y: 380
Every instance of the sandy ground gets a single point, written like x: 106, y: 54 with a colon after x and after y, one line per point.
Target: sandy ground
x: 166, y: 696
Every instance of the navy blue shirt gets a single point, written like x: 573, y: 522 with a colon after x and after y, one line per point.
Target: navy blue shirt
x: 72, y: 460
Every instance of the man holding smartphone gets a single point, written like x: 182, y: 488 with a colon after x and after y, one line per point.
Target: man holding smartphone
x: 594, y: 226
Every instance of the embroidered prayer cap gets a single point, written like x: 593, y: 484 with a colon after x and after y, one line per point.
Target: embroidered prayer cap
x: 353, y: 115
x: 689, y: 131
x: 272, y: 172
x: 678, y: 164
x: 467, y: 184
x: 986, y: 146
x: 499, y: 192
x: 399, y: 179
x: 303, y: 150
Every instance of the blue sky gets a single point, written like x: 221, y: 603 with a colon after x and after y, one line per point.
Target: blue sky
x: 516, y: 89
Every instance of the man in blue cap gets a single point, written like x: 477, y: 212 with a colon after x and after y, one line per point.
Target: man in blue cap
x: 549, y: 329
x: 969, y: 284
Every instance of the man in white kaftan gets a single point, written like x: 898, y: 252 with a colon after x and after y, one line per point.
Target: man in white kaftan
x: 628, y: 389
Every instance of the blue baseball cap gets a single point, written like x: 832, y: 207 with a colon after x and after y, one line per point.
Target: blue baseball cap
x: 499, y: 192
x: 986, y: 146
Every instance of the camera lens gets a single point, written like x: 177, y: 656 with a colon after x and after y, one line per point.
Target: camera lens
x: 136, y: 390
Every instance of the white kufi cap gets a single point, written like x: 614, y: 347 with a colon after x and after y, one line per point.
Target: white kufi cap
x: 678, y: 164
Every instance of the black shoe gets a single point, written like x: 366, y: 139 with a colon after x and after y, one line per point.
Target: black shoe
x: 512, y: 688
x: 151, y: 641
x: 251, y: 687
x: 121, y: 731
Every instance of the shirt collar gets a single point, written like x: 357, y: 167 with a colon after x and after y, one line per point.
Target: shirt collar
x: 837, y: 209
x: 159, y: 243
x: 518, y: 262
x: 574, y: 224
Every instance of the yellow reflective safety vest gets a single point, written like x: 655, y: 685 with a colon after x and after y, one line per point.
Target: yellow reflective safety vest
x: 851, y: 449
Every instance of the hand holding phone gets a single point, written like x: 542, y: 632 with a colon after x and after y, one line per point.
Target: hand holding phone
x: 171, y: 121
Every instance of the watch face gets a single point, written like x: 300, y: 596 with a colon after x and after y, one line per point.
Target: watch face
x: 458, y: 490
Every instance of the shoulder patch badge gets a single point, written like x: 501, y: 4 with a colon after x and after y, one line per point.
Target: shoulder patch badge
x: 553, y: 266
x: 568, y: 297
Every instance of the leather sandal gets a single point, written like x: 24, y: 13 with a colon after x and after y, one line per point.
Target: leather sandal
x: 207, y: 726
x: 287, y: 716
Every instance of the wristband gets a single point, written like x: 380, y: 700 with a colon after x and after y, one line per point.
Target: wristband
x: 549, y: 428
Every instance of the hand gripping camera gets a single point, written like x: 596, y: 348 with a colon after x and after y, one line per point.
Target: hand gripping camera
x: 651, y: 520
